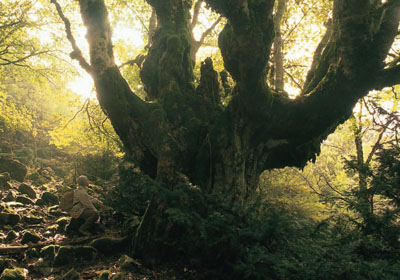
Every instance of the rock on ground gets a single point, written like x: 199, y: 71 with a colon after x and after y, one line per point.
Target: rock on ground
x: 14, y: 274
x: 28, y: 190
x: 16, y: 169
x: 4, y: 179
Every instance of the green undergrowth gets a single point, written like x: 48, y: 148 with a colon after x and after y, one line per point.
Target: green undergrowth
x: 223, y: 241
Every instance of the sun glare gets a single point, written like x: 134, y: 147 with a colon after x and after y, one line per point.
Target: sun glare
x: 83, y: 86
x: 129, y: 36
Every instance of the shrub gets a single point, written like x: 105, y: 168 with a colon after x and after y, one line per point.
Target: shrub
x: 222, y: 240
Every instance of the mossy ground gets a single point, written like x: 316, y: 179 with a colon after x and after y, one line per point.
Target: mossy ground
x: 58, y: 252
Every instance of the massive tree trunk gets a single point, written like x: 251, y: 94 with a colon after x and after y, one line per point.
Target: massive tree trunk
x: 224, y: 149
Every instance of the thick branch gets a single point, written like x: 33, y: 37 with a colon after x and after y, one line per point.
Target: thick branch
x: 246, y: 40
x: 141, y: 127
x: 168, y: 66
x: 76, y: 52
x: 387, y: 77
x: 387, y: 29
x: 152, y: 28
x: 319, y: 65
x: 348, y: 69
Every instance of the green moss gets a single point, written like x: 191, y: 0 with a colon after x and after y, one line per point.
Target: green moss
x: 4, y: 263
x: 13, y: 274
x: 104, y: 275
x: 108, y: 244
x: 72, y: 274
x: 37, y: 179
x: 72, y: 254
x: 53, y: 228
x: 28, y: 190
x: 11, y: 235
x: 173, y: 43
x: 30, y: 236
x: 119, y: 276
x: 10, y: 196
x: 24, y: 200
x: 31, y: 218
x: 130, y: 225
x: 63, y: 221
x: 85, y: 252
x: 127, y: 263
x: 52, y: 208
x: 48, y: 252
x: 33, y: 253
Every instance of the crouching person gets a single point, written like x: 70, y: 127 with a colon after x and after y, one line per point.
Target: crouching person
x: 84, y: 207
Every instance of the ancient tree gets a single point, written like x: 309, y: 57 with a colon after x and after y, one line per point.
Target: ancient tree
x: 184, y: 129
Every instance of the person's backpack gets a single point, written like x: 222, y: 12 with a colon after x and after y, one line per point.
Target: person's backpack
x: 67, y: 201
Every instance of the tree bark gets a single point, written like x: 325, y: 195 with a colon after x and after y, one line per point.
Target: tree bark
x: 278, y: 56
x: 224, y: 149
x: 366, y: 198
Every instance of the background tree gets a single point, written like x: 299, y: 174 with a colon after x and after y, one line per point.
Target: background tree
x: 42, y: 122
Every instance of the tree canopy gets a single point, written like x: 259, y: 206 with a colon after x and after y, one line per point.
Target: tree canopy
x: 183, y: 128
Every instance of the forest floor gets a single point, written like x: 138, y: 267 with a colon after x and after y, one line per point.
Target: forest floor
x: 35, y: 242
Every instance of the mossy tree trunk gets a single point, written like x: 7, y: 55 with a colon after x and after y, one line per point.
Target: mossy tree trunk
x: 224, y: 149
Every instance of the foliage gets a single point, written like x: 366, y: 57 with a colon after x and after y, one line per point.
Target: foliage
x: 37, y: 110
x: 303, y: 26
x: 100, y: 164
x: 28, y: 113
x: 382, y: 222
x: 286, y: 189
x: 261, y: 241
x: 16, y: 22
x: 12, y: 118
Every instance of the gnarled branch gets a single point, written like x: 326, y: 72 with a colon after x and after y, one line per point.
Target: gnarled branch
x: 76, y: 52
x: 387, y: 77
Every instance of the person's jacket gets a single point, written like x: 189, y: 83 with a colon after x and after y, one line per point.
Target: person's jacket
x: 82, y: 201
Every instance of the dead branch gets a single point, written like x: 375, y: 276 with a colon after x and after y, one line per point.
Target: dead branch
x: 293, y: 79
x: 76, y: 113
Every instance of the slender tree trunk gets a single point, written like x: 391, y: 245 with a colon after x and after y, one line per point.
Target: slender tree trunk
x: 278, y: 55
x: 364, y: 165
x: 366, y: 198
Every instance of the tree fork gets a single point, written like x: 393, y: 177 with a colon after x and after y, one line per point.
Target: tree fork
x: 224, y: 149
